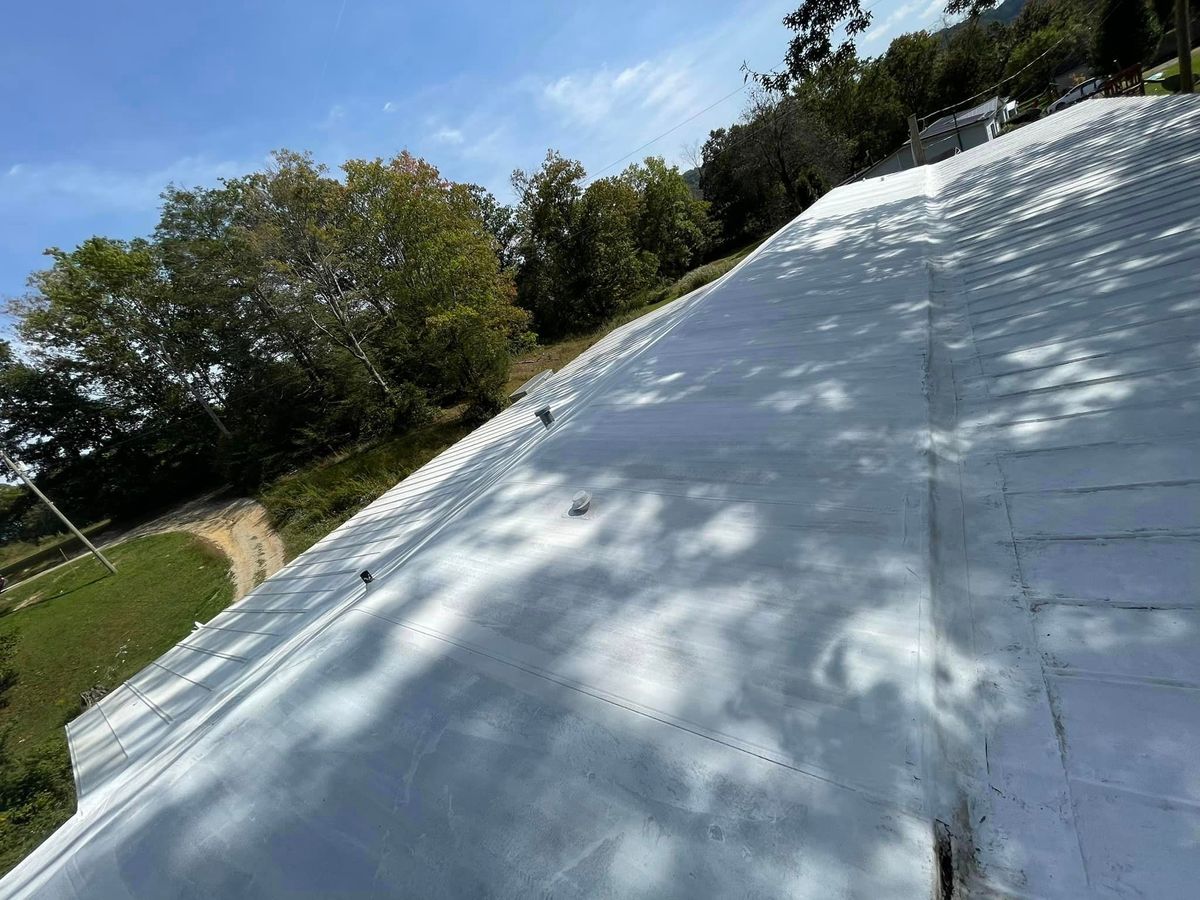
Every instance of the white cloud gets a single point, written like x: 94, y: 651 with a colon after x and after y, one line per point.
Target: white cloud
x: 886, y: 27
x: 91, y: 188
x: 906, y: 18
x: 335, y: 116
x: 389, y: 106
x: 591, y: 98
x: 448, y: 136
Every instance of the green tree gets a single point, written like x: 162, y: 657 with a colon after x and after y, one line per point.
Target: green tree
x: 1127, y: 32
x: 1036, y: 60
x: 973, y: 61
x: 609, y: 269
x: 295, y: 218
x: 293, y: 310
x: 814, y: 24
x: 547, y: 216
x: 736, y: 191
x: 427, y: 259
x: 99, y: 450
x: 779, y: 159
x: 500, y: 221
x: 108, y: 303
x: 911, y: 61
x: 856, y: 105
x: 670, y: 222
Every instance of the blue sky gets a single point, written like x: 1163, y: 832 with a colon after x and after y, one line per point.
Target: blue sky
x: 105, y: 103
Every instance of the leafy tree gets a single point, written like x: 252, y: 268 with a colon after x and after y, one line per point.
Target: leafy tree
x: 108, y: 304
x: 784, y: 154
x: 294, y: 217
x: 814, y: 23
x: 912, y: 61
x: 859, y: 104
x: 609, y: 269
x: 792, y: 140
x: 743, y: 201
x: 500, y: 222
x: 292, y: 310
x: 547, y: 215
x: 1048, y: 37
x: 974, y: 60
x: 1127, y: 32
x: 670, y: 223
x: 428, y: 259
x: 98, y: 453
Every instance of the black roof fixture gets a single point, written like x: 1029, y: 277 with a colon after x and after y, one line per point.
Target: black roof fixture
x: 546, y: 416
x: 366, y: 576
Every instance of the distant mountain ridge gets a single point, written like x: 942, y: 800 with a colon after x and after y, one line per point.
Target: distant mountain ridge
x: 1003, y: 14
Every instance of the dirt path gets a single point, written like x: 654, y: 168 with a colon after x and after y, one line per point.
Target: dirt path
x: 239, y: 527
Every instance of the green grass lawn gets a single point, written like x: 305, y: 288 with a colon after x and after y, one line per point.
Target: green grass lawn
x: 308, y: 504
x: 75, y: 629
x: 1170, y: 68
x: 20, y: 559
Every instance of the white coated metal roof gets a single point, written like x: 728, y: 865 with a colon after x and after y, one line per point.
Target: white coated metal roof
x: 891, y: 565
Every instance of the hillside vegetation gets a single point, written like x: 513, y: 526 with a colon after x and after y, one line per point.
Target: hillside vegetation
x: 307, y: 504
x: 81, y: 629
x: 288, y: 314
x: 292, y: 312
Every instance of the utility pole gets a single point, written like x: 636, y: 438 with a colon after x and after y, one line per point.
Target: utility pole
x: 918, y: 149
x: 1183, y: 40
x: 20, y: 473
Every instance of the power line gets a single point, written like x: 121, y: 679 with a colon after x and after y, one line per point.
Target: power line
x: 990, y: 90
x: 670, y: 130
x: 741, y: 88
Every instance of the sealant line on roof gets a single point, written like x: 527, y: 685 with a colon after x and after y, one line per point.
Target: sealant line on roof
x: 648, y: 713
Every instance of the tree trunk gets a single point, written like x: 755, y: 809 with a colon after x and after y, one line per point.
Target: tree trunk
x: 296, y: 347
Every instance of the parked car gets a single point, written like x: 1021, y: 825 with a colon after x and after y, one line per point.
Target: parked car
x: 1081, y: 91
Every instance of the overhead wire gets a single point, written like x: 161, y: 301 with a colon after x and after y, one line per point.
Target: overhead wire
x: 747, y: 131
x: 992, y: 88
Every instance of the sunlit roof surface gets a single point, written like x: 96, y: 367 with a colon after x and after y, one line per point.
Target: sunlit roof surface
x: 896, y: 525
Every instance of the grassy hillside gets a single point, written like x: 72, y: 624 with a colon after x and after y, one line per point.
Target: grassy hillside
x: 81, y: 628
x: 308, y: 504
x: 20, y: 559
x: 1169, y: 68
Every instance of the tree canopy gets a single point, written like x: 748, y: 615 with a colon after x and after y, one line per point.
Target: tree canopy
x: 585, y: 252
x: 1126, y: 35
x: 294, y: 310
x: 814, y: 24
x: 278, y: 314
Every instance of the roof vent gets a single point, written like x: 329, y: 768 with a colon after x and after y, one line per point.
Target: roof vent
x: 580, y: 504
x: 546, y: 416
x: 531, y: 385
